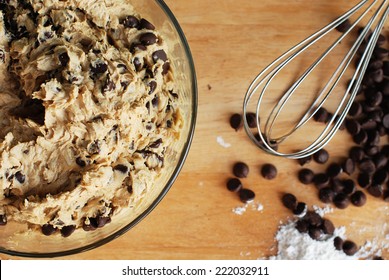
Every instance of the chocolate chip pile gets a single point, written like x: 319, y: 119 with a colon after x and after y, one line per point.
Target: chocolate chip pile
x: 365, y: 169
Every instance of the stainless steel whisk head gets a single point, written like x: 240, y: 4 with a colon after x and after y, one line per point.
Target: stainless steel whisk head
x: 259, y: 86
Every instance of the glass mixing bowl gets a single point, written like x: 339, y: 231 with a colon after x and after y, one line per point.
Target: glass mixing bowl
x: 16, y: 239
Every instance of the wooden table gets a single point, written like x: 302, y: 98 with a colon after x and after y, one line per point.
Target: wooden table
x: 231, y: 42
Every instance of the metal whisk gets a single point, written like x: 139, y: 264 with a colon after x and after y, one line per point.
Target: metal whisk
x: 260, y: 84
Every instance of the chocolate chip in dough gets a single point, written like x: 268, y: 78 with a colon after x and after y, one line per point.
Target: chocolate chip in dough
x: 152, y: 86
x: 20, y: 177
x: 63, y: 59
x: 80, y: 162
x: 66, y: 231
x: 269, y: 171
x: 130, y: 22
x: 48, y: 229
x: 159, y: 55
x: 165, y: 68
x: 234, y: 185
x: 99, y: 67
x: 138, y: 64
x: 3, y: 219
x: 145, y: 24
x: 148, y: 38
x: 240, y: 170
x: 121, y: 167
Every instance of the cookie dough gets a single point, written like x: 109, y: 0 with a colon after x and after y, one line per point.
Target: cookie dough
x: 88, y: 106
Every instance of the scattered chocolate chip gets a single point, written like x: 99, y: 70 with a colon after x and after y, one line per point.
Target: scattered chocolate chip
x: 3, y: 219
x: 246, y: 195
x: 385, y: 121
x: 314, y: 233
x: 145, y: 24
x: 160, y: 54
x: 353, y: 127
x: 364, y: 179
x: 313, y: 218
x: 236, y: 121
x: 321, y: 180
x: 20, y: 177
x: 348, y: 186
x: 234, y: 185
x: 348, y: 166
x: 48, y: 229
x: 321, y: 156
x: 380, y: 177
x: 130, y: 22
x: 349, y: 248
x: 300, y: 208
x: 251, y: 119
x: 148, y: 38
x: 306, y: 176
x: 361, y: 137
x: 337, y: 185
x: 302, y: 226
x: 358, y: 198
x: 356, y: 153
x: 304, y: 160
x: 375, y: 190
x: 289, y: 201
x: 121, y: 167
x: 341, y: 201
x: 367, y: 166
x: 338, y: 243
x: 371, y: 150
x: 269, y: 171
x: 344, y: 26
x: 334, y: 170
x: 240, y: 170
x: 321, y: 115
x: 326, y: 195
x: 328, y: 227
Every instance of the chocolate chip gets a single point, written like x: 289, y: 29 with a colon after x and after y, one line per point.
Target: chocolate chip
x: 337, y: 185
x: 371, y: 150
x: 361, y: 137
x: 234, y: 185
x: 338, y: 243
x: 348, y: 186
x: 90, y: 225
x: 313, y: 218
x: 148, y: 38
x: 246, y: 195
x: 160, y: 54
x: 138, y: 64
x: 80, y: 162
x: 121, y: 167
x: 321, y: 156
x: 348, y: 166
x: 304, y: 160
x: 289, y: 201
x: 269, y: 171
x: 321, y: 115
x: 344, y: 26
x: 102, y: 221
x: 64, y: 59
x: 99, y: 68
x: 306, y: 176
x: 353, y: 127
x: 356, y: 153
x: 341, y: 201
x: 367, y: 166
x: 373, y: 137
x: 137, y: 46
x: 3, y: 219
x: 251, y: 119
x: 375, y: 190
x: 364, y: 179
x: 165, y: 68
x: 130, y: 22
x: 32, y: 109
x: 385, y: 121
x: 20, y: 177
x: 241, y: 170
x: 152, y: 85
x: 300, y: 208
x: 236, y: 121
x: 380, y: 53
x: 109, y: 85
x: 145, y: 24
x: 326, y: 195
x: 380, y: 177
x: 334, y: 169
x: 314, y: 233
x: 302, y: 226
x: 156, y: 144
x: 48, y: 229
x: 349, y: 248
x: 66, y: 231
x: 328, y: 227
x: 321, y: 180
x: 358, y: 198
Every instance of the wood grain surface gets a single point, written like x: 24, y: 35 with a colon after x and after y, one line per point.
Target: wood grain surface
x: 231, y: 41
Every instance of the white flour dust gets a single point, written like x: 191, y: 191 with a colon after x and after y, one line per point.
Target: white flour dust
x: 222, y: 142
x: 253, y: 206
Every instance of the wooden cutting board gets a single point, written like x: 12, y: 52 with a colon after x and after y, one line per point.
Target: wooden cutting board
x: 231, y: 42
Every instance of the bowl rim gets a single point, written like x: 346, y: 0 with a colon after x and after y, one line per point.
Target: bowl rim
x: 171, y: 180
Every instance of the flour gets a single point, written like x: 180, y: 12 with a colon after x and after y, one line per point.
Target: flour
x: 293, y: 245
x: 222, y: 143
x: 253, y: 206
